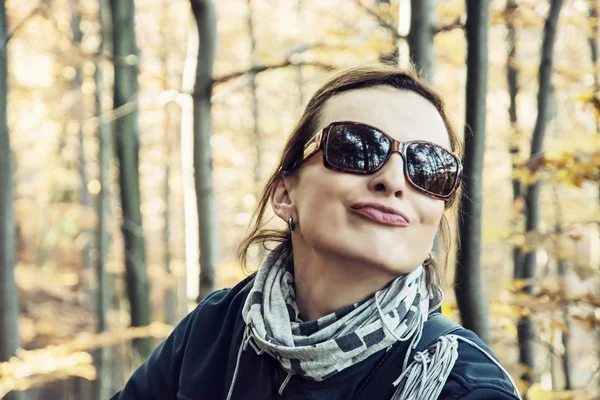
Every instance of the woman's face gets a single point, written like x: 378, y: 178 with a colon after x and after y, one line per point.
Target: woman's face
x: 324, y: 202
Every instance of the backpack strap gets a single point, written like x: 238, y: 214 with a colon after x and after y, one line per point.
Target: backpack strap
x: 379, y: 381
x: 436, y: 325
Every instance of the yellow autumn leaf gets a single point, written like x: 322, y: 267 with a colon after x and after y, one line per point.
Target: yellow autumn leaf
x: 520, y: 283
x: 536, y: 392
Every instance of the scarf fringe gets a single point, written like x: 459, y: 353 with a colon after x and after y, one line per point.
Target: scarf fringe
x: 426, y: 375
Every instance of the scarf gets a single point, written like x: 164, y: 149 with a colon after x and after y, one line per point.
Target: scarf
x: 319, y: 349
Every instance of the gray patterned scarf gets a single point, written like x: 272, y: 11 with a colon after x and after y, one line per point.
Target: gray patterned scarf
x: 319, y: 349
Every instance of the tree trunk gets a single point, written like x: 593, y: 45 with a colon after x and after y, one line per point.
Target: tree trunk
x: 593, y: 43
x: 470, y: 290
x: 204, y: 13
x: 420, y: 36
x: 392, y: 57
x: 299, y: 73
x: 103, y: 384
x: 563, y: 269
x: 254, y: 98
x: 171, y: 307
x: 190, y: 205
x: 127, y: 145
x: 77, y: 110
x: 82, y: 386
x: 254, y: 104
x: 512, y: 78
x: 525, y: 329
x: 9, y: 296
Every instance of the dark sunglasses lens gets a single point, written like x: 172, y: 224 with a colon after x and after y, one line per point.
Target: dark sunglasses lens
x: 356, y: 148
x: 431, y: 168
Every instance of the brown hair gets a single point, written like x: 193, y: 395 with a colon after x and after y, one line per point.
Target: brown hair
x: 350, y: 79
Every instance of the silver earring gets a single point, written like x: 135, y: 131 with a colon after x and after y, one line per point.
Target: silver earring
x: 291, y: 224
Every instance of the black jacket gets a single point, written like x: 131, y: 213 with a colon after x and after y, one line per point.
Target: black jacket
x: 197, y: 362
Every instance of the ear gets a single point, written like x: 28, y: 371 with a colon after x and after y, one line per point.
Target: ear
x: 281, y: 200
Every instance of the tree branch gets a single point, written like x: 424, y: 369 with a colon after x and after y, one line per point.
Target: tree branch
x: 450, y: 27
x: 21, y: 24
x: 261, y: 68
x: 386, y: 24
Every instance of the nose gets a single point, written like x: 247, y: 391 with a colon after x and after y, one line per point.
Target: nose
x: 390, y: 178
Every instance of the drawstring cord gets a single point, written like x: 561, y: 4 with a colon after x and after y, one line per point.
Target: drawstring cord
x: 437, y: 361
x: 426, y: 377
x: 285, y: 382
x: 415, y: 332
x: 247, y: 340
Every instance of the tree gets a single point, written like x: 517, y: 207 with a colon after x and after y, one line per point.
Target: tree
x: 82, y: 385
x: 77, y: 110
x: 525, y: 327
x: 104, y: 291
x: 593, y: 43
x: 512, y: 78
x: 471, y: 295
x: 9, y: 297
x: 420, y: 36
x: 127, y: 145
x: 593, y: 6
x: 206, y: 21
x: 254, y: 104
x: 393, y: 56
x: 171, y: 309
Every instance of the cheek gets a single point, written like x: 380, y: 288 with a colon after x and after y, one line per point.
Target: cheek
x: 430, y: 217
x: 319, y: 201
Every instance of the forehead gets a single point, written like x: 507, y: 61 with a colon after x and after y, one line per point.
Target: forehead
x: 402, y: 114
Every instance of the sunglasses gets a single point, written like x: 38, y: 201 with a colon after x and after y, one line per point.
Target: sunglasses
x: 357, y: 148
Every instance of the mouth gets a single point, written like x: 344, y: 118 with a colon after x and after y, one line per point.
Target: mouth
x: 381, y: 214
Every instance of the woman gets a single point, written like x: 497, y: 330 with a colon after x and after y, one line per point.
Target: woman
x: 342, y: 307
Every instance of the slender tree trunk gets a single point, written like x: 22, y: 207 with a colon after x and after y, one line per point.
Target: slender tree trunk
x: 391, y: 57
x: 420, y: 36
x: 171, y: 309
x: 190, y: 205
x: 104, y: 293
x: 253, y: 97
x: 563, y: 269
x: 81, y: 386
x: 299, y: 74
x: 254, y: 104
x: 204, y: 13
x: 77, y: 110
x: 470, y: 290
x: 103, y: 384
x: 526, y: 329
x: 512, y: 76
x: 593, y: 43
x: 9, y: 297
x: 127, y: 144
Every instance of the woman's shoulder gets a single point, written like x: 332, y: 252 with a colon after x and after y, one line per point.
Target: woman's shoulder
x: 221, y: 305
x: 190, y: 360
x: 475, y: 375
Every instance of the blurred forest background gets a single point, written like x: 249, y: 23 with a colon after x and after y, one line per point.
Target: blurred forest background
x: 108, y: 107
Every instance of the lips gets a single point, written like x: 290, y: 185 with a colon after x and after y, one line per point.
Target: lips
x: 381, y: 213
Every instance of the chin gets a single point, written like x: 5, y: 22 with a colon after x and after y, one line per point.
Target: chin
x: 374, y: 257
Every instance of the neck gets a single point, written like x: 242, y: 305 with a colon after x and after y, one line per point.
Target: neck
x: 325, y: 283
